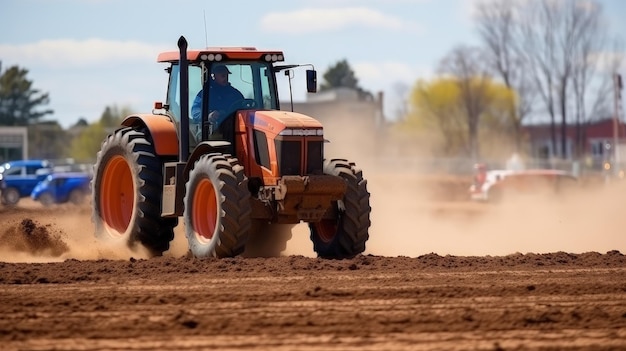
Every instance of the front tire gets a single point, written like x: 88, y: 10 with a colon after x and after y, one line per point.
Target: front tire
x: 345, y: 235
x: 217, y: 207
x: 126, y: 196
x: 10, y: 196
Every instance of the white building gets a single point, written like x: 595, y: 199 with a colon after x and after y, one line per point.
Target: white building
x: 13, y: 143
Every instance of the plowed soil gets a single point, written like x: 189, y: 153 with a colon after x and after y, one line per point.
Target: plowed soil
x: 439, y: 273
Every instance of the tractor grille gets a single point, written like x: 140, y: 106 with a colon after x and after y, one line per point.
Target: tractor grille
x: 289, y: 157
x: 315, y: 157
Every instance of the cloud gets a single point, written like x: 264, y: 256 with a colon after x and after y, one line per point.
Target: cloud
x: 332, y: 19
x: 388, y: 72
x: 387, y: 76
x: 84, y: 76
x: 62, y: 53
x: 608, y: 61
x: 380, y: 2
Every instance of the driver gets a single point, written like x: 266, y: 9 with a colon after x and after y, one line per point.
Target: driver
x: 222, y: 97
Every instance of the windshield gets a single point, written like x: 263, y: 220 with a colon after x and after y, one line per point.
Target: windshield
x: 254, y: 80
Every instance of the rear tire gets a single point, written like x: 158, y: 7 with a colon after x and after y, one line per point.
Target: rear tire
x: 46, y: 199
x: 126, y: 196
x: 344, y: 236
x: 217, y: 207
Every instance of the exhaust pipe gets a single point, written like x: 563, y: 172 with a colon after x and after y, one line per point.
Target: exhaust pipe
x: 183, y: 150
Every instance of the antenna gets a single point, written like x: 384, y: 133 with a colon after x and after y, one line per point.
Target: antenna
x: 206, y: 36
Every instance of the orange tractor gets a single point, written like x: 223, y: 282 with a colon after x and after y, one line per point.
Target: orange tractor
x: 239, y: 188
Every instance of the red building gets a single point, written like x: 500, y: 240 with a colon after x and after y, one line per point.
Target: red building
x: 596, y: 140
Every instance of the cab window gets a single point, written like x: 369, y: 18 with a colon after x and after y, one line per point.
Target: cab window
x: 253, y: 79
x: 14, y: 171
x: 32, y: 170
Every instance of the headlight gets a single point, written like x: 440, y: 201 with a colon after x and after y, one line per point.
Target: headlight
x: 302, y: 132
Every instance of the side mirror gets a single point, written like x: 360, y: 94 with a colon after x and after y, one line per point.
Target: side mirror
x: 311, y: 81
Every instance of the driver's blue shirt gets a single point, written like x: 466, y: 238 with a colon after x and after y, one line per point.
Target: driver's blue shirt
x: 221, y: 97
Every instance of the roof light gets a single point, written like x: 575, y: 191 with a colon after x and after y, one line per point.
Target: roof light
x: 273, y: 57
x: 211, y: 57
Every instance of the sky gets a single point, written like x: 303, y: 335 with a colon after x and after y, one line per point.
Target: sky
x: 89, y: 54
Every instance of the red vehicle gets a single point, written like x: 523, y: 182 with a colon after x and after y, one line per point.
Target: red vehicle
x: 493, y: 185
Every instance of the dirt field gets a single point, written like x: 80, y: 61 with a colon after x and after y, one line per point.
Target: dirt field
x: 438, y: 274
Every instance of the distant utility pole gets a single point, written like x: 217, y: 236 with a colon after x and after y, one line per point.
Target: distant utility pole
x: 617, y: 88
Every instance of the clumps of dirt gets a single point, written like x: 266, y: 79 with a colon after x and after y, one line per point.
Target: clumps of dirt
x: 30, y: 237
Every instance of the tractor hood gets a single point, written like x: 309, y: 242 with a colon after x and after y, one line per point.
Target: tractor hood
x: 275, y: 122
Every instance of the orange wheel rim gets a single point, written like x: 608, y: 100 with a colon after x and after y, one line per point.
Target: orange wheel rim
x: 204, y: 209
x: 117, y: 194
x: 326, y: 229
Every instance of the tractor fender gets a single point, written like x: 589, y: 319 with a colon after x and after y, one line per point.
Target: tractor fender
x: 162, y: 130
x: 206, y: 147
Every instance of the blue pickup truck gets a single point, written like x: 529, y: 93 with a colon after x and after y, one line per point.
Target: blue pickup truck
x: 19, y: 178
x: 59, y: 188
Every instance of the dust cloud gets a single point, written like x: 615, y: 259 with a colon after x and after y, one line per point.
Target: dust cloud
x: 407, y: 221
x: 414, y: 212
x: 407, y: 224
x: 31, y: 233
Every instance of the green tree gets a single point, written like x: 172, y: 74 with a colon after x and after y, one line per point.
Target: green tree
x: 82, y: 122
x: 341, y: 75
x: 113, y: 115
x: 20, y: 103
x: 85, y: 146
x: 47, y: 140
x: 87, y: 143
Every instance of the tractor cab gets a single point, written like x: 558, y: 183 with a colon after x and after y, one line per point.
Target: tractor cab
x: 250, y: 72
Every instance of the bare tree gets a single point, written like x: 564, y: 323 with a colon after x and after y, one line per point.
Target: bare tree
x: 401, y: 91
x: 557, y: 35
x: 500, y: 32
x: 604, y: 66
x: 466, y: 65
x: 591, y: 41
x: 538, y: 50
